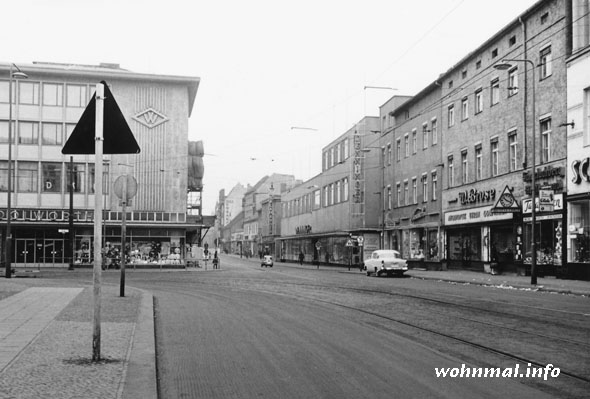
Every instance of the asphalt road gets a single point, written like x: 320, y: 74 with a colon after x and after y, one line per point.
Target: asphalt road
x: 298, y: 332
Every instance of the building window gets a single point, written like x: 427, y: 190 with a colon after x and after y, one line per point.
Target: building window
x: 545, y: 140
x: 51, y: 177
x: 345, y: 189
x: 399, y: 194
x: 512, y: 81
x: 4, y: 176
x: 29, y: 93
x: 425, y: 136
x: 326, y: 198
x: 451, y: 172
x: 407, y: 144
x: 338, y: 191
x: 513, y: 151
x: 4, y: 132
x: 512, y: 41
x: 451, y: 115
x: 464, y: 109
x: 76, y: 96
x: 389, y: 153
x: 53, y: 94
x: 316, y: 199
x: 414, y: 141
x: 325, y: 155
x: 478, y: 163
x: 434, y: 185
x: 414, y: 191
x: 346, y: 149
x: 464, y: 168
x: 105, y: 178
x: 478, y: 101
x: 52, y: 134
x: 27, y: 177
x: 406, y: 193
x: 495, y: 91
x: 338, y: 153
x: 398, y: 149
x: 464, y: 74
x: 332, y: 157
x: 389, y: 199
x: 546, y: 62
x: 78, y: 183
x: 494, y: 157
x: 544, y: 18
x: 494, y: 53
x: 450, y: 84
x: 478, y: 64
x: 433, y: 128
x: 28, y: 133
x: 424, y: 188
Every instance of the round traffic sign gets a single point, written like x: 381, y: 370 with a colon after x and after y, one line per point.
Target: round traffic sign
x: 127, y: 184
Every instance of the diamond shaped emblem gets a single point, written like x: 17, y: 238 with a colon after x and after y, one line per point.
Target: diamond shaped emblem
x: 150, y: 118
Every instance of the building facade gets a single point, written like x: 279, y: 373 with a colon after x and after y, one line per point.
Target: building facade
x: 333, y: 218
x: 413, y: 153
x: 45, y: 109
x: 489, y: 119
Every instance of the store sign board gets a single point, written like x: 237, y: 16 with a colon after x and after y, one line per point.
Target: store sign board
x: 46, y: 215
x: 557, y: 204
x: 474, y: 215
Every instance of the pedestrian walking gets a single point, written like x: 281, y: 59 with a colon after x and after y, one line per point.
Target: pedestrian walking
x: 215, y: 260
x: 301, y: 257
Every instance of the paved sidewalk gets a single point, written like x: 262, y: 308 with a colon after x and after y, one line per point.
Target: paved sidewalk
x: 46, y: 342
x: 23, y: 316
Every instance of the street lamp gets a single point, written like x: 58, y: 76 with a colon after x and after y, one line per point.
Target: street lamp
x: 18, y: 74
x: 504, y: 65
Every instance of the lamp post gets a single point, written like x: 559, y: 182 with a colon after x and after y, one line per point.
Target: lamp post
x: 18, y: 74
x: 504, y: 65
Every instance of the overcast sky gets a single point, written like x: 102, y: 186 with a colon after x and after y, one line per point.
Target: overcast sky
x: 265, y: 66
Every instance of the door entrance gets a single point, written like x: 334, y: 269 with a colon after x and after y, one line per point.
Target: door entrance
x: 25, y: 252
x: 53, y: 252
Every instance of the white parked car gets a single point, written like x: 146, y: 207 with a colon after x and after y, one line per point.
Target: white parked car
x: 385, y: 261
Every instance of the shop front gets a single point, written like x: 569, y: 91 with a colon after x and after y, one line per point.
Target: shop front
x: 327, y: 249
x: 41, y: 237
x: 478, y: 237
x: 578, y: 236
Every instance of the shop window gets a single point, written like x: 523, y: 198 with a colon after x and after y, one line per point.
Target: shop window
x: 548, y: 236
x: 465, y: 245
x: 578, y: 232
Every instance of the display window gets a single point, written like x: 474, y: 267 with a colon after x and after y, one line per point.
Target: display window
x: 578, y: 231
x: 548, y: 236
x: 465, y: 244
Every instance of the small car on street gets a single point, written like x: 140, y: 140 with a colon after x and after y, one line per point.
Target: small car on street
x: 266, y: 261
x: 385, y: 262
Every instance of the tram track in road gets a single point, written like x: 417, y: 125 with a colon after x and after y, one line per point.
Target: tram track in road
x: 414, y: 326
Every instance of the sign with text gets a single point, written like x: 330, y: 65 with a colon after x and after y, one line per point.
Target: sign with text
x: 475, y: 215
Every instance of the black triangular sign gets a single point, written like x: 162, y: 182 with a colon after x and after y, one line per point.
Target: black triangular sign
x: 118, y: 138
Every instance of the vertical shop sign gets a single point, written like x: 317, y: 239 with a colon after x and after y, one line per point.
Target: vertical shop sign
x: 357, y: 176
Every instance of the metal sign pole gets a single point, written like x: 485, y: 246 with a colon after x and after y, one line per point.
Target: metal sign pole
x: 98, y: 144
x: 123, y: 238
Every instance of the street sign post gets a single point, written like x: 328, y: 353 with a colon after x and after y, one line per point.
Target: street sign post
x: 102, y: 127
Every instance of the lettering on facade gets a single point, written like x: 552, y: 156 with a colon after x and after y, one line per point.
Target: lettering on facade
x: 270, y: 215
x: 303, y: 229
x: 474, y: 195
x: 580, y: 170
x: 546, y: 173
x: 357, y: 176
x: 46, y: 215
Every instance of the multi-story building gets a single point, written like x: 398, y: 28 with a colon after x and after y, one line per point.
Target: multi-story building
x: 576, y: 232
x: 488, y: 120
x: 274, y: 184
x: 412, y: 152
x: 45, y: 109
x: 328, y: 216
